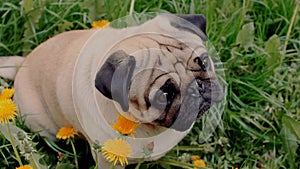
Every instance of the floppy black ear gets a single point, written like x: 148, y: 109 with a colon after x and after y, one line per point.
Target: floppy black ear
x: 197, y: 20
x: 113, y: 78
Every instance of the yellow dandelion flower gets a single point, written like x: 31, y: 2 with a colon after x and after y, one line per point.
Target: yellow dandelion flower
x: 125, y: 126
x: 100, y: 24
x: 199, y: 163
x: 8, y: 110
x: 65, y: 133
x: 115, y: 150
x: 24, y: 167
x: 6, y: 93
x: 195, y: 157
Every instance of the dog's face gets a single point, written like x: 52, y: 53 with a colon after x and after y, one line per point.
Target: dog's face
x: 164, y: 80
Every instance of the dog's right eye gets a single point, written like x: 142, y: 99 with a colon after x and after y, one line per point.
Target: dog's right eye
x: 203, y: 61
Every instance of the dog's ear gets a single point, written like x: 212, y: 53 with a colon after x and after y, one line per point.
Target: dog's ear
x: 197, y: 20
x: 113, y: 79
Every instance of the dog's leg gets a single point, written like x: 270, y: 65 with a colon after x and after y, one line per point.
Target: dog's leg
x: 9, y: 66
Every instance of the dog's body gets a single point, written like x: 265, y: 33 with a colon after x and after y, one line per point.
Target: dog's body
x: 159, y: 73
x: 43, y: 85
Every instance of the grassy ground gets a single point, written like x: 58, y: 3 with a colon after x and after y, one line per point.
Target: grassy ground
x: 259, y: 43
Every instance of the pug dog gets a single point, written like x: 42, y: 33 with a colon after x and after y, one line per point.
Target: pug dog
x: 167, y: 82
x: 159, y: 73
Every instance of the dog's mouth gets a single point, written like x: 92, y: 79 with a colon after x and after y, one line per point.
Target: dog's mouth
x: 204, y: 108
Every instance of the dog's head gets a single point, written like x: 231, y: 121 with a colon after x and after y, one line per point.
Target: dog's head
x: 166, y: 78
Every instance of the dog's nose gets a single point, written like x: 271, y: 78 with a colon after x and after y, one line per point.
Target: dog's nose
x: 195, y: 90
x: 199, y: 88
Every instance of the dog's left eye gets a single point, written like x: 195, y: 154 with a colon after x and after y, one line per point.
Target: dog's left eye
x: 164, y: 97
x: 160, y: 99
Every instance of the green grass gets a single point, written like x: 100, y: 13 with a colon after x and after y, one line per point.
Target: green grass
x: 260, y: 127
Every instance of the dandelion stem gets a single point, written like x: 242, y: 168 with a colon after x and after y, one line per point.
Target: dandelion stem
x: 112, y: 166
x: 175, y: 163
x: 14, y: 146
x: 194, y: 148
x: 131, y: 7
x: 139, y: 164
x: 290, y: 27
x: 74, y: 151
x: 96, y: 156
x: 32, y: 163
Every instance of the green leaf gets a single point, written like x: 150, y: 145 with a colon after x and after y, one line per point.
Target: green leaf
x: 55, y: 147
x: 66, y: 25
x: 245, y: 37
x: 292, y: 125
x: 272, y: 49
x: 36, y: 157
x: 27, y: 5
x: 33, y: 12
x: 290, y: 134
x: 96, y: 8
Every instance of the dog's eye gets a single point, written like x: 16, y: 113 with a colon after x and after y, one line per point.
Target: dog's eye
x: 160, y: 99
x: 203, y: 61
x: 164, y: 96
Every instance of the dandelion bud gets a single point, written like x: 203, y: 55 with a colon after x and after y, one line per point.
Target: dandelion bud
x: 21, y: 135
x: 185, y: 157
x: 96, y: 145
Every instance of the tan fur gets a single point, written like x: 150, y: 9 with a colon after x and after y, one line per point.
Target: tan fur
x: 43, y: 83
x: 9, y: 66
